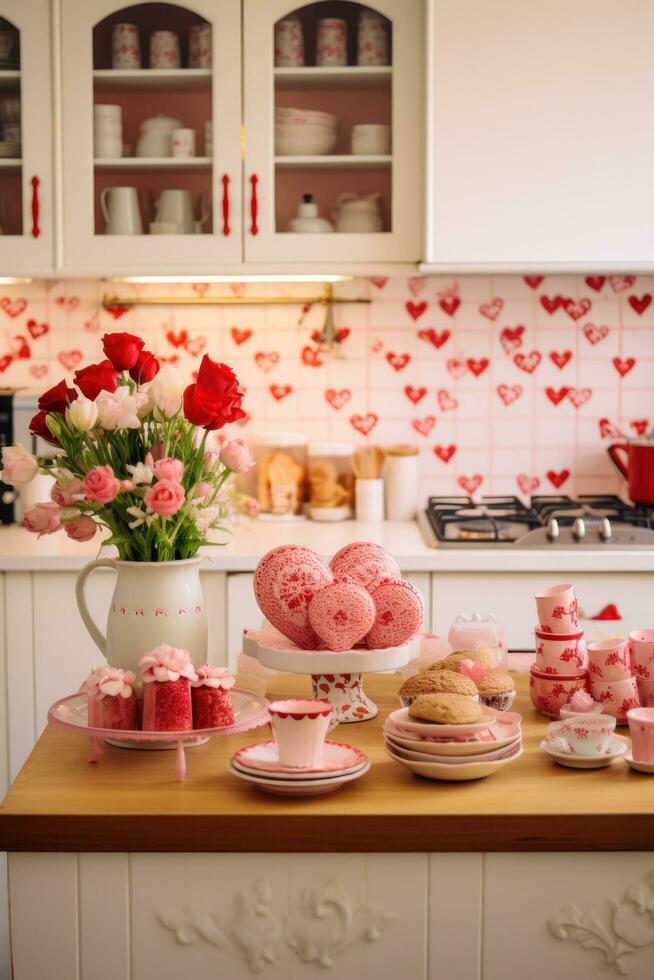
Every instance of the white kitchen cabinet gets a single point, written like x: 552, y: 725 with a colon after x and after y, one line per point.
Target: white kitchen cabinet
x: 274, y: 184
x: 510, y: 596
x: 27, y: 187
x: 213, y: 179
x: 538, y: 150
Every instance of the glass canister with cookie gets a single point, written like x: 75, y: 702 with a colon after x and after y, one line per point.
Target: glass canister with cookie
x: 279, y: 479
x: 330, y: 481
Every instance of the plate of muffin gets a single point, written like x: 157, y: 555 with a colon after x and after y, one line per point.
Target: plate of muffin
x: 454, y: 724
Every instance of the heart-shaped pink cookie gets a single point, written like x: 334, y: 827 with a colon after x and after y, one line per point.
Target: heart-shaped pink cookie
x: 399, y: 608
x: 341, y: 614
x: 365, y: 563
x: 285, y: 581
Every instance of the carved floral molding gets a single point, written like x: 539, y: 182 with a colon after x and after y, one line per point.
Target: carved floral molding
x: 628, y: 927
x: 321, y: 925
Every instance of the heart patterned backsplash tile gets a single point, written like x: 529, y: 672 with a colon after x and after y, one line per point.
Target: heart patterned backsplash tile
x: 507, y: 384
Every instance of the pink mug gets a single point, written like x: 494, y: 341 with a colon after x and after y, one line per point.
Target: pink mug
x: 558, y: 610
x: 618, y: 697
x: 641, y: 644
x: 641, y: 729
x: 550, y: 692
x: 646, y: 691
x: 609, y: 660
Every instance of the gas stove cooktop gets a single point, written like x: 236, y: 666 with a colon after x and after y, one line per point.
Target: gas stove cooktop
x: 589, y: 522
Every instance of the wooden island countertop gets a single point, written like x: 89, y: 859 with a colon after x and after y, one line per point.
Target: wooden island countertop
x: 131, y: 802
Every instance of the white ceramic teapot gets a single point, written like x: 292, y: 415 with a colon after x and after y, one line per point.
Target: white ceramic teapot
x: 358, y: 213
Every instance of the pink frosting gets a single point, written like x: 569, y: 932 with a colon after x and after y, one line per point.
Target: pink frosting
x: 110, y: 681
x: 211, y: 676
x: 581, y: 701
x: 166, y: 663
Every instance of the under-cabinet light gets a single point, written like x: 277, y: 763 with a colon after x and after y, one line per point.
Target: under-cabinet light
x: 14, y: 280
x: 328, y: 277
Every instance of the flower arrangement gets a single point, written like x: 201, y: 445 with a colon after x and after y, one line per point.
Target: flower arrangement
x: 131, y: 453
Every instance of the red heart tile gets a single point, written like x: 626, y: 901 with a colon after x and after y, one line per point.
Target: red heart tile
x: 470, y: 483
x: 337, y: 397
x: 446, y: 401
x: 511, y: 338
x: 509, y: 393
x: 624, y: 365
x: 557, y: 479
x: 5, y: 361
x: 364, y: 423
x: 557, y: 395
x: 456, y: 366
x: 493, y: 309
x: 594, y: 334
x: 69, y: 358
x: 195, y: 345
x: 266, y: 360
x: 379, y: 281
x: 640, y: 426
x: 595, y: 282
x: 414, y: 394
x: 528, y: 362
x: 424, y: 426
x: 397, y: 361
x: 579, y: 396
x: 279, y: 392
x: 552, y: 303
x: 37, y: 329
x: 445, y: 453
x: 640, y: 303
x: 533, y: 281
x: 576, y: 310
x: 415, y: 310
x: 449, y: 304
x: 620, y: 283
x: 527, y: 484
x: 477, y: 367
x: 13, y: 307
x: 176, y: 338
x: 416, y: 284
x: 310, y: 357
x: 240, y: 336
x: 435, y: 337
x: 609, y: 430
x: 560, y: 358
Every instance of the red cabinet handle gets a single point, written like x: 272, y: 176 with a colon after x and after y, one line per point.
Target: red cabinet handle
x: 254, y: 206
x: 225, y: 183
x: 36, y: 231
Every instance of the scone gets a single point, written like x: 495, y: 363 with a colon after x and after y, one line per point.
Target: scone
x: 446, y: 709
x: 436, y: 682
x: 497, y: 690
x: 423, y: 683
x: 453, y: 661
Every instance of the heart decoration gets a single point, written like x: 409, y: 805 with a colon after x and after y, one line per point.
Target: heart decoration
x: 364, y: 563
x: 364, y: 423
x: 37, y: 329
x: 528, y: 362
x: 608, y: 430
x: 560, y: 358
x: 445, y: 453
x: 195, y: 345
x: 595, y: 282
x: 397, y: 361
x: 493, y: 309
x: 414, y: 395
x: 640, y: 303
x: 620, y: 283
x: 379, y: 281
x: 415, y: 310
x: 449, y: 304
x: 594, y: 334
x: 533, y: 281
x: 640, y: 426
x: 477, y: 367
x: 470, y: 483
x: 5, y: 361
x: 511, y: 338
x: 266, y: 360
x: 509, y: 393
x: 527, y: 484
x: 341, y: 615
x: 310, y: 357
x: 446, y: 402
x: 557, y: 479
x: 552, y: 303
x: 556, y: 395
x: 579, y: 396
x: 240, y: 336
x: 416, y: 284
x: 576, y: 310
x: 39, y: 370
x: 20, y: 348
x: 285, y: 581
x: 424, y: 426
x: 399, y: 611
x: 624, y: 365
x: 13, y: 308
x: 456, y: 366
x: 69, y: 358
x: 434, y: 337
x: 279, y: 392
x: 337, y: 398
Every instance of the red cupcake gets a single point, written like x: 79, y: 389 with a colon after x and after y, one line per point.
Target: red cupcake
x: 111, y: 699
x: 212, y: 701
x: 167, y: 676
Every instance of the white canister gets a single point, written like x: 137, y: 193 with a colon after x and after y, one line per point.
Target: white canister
x: 372, y: 39
x: 401, y: 476
x: 108, y: 146
x: 125, y: 46
x: 289, y: 43
x: 199, y: 46
x: 369, y: 500
x: 370, y: 138
x: 331, y: 44
x: 182, y: 142
x: 108, y: 131
x: 164, y: 50
x: 103, y: 113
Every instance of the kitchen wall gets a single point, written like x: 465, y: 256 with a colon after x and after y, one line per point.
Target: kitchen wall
x: 508, y: 384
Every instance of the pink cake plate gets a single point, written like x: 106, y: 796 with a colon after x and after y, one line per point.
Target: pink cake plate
x: 336, y: 676
x: 70, y: 713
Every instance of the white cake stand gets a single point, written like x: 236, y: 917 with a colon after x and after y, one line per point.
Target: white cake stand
x: 336, y: 676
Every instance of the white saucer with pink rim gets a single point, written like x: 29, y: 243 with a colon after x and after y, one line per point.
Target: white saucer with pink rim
x: 647, y: 767
x: 299, y: 787
x: 262, y: 759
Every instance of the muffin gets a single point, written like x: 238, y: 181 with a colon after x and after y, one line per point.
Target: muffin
x: 446, y: 709
x: 497, y: 690
x: 436, y: 682
x: 422, y: 683
x: 453, y: 662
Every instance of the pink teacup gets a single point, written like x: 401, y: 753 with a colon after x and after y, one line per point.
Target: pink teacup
x: 560, y: 654
x: 646, y: 691
x: 550, y: 692
x: 641, y: 729
x: 609, y: 660
x: 585, y: 736
x: 641, y: 644
x: 558, y: 611
x: 618, y: 697
x: 299, y: 727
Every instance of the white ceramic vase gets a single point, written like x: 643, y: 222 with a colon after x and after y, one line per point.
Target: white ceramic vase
x: 153, y: 603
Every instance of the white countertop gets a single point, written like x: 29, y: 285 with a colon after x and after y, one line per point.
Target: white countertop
x: 21, y: 551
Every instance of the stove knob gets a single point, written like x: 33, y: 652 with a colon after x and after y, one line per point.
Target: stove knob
x: 552, y: 529
x: 605, y: 529
x: 579, y: 529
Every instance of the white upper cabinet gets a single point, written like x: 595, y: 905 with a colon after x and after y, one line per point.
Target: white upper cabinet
x: 311, y: 74
x: 128, y: 205
x: 27, y: 190
x: 540, y: 135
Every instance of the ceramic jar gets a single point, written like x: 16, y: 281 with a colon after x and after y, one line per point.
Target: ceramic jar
x: 550, y: 693
x: 164, y: 50
x: 331, y: 45
x: 358, y: 214
x: 199, y: 46
x: 558, y: 654
x: 372, y: 39
x: 125, y: 46
x: 289, y: 43
x: 153, y: 603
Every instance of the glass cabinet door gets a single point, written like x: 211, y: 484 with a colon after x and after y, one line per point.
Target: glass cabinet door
x: 26, y: 126
x: 152, y: 136
x: 333, y: 131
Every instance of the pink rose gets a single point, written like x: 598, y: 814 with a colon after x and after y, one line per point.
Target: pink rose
x: 43, y: 518
x: 100, y: 484
x: 165, y: 498
x: 68, y: 494
x: 202, y: 489
x: 169, y: 468
x: 83, y: 528
x: 237, y: 456
x: 18, y: 466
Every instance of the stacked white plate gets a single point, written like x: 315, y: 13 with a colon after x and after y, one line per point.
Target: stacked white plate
x: 454, y: 753
x: 259, y: 764
x: 304, y: 132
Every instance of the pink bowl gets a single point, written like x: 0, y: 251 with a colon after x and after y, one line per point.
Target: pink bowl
x: 560, y: 654
x: 558, y: 611
x: 646, y: 691
x: 641, y: 644
x: 618, y: 697
x: 609, y: 660
x: 550, y: 692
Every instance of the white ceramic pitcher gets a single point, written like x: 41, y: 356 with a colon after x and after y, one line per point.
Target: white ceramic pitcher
x: 153, y: 603
x: 122, y: 214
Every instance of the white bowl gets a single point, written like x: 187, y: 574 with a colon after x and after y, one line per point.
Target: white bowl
x: 309, y: 144
x: 303, y: 116
x: 457, y: 773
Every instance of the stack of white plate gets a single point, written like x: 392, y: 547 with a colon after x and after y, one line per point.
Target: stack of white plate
x: 454, y: 753
x: 259, y: 764
x: 304, y: 132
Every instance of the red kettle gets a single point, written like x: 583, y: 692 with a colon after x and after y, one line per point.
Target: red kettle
x: 634, y: 460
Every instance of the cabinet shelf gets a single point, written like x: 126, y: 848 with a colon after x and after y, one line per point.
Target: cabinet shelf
x: 345, y: 77
x: 151, y: 78
x: 345, y: 161
x: 9, y: 80
x: 11, y: 165
x: 153, y: 163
